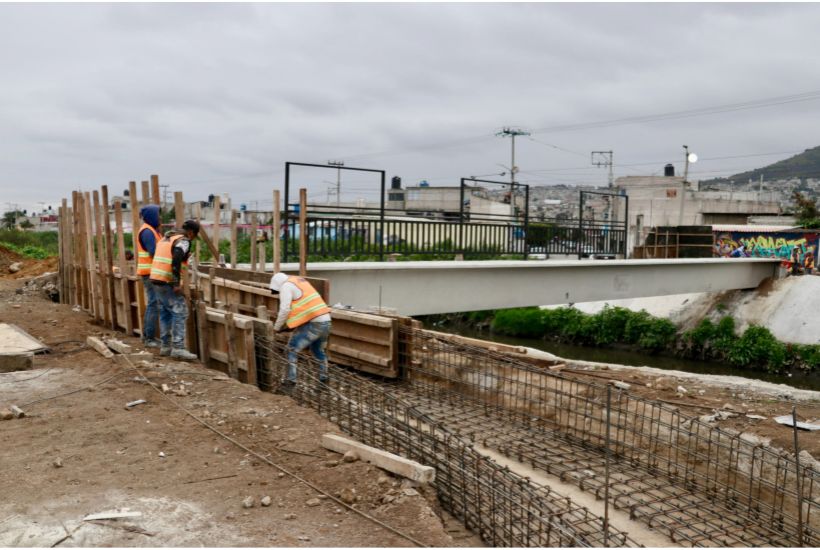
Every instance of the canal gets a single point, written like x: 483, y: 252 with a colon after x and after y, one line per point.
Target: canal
x: 798, y: 379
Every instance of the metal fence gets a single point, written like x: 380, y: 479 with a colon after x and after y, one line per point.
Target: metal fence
x: 504, y: 508
x: 698, y: 483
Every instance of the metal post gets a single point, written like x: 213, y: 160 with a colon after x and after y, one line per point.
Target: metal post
x: 683, y: 183
x: 381, y: 221
x: 461, y: 219
x: 526, y: 220
x: 797, y: 480
x: 606, y: 466
x: 287, y: 212
x: 580, y: 223
x: 626, y: 226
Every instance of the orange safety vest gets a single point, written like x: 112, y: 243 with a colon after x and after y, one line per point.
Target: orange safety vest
x: 144, y: 259
x: 161, y: 268
x: 306, y: 308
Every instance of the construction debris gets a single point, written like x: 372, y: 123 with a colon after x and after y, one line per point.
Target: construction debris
x: 15, y: 267
x: 6, y: 414
x: 100, y: 346
x: 132, y: 404
x: 248, y: 502
x: 118, y: 346
x: 265, y: 501
x: 12, y: 362
x: 787, y: 420
x: 17, y: 411
x: 387, y: 461
x: 115, y: 514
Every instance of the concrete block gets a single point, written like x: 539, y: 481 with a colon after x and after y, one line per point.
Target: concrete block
x: 10, y: 362
x: 387, y: 461
x: 99, y: 345
x: 119, y: 346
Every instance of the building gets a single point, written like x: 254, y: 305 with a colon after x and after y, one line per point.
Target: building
x: 669, y: 201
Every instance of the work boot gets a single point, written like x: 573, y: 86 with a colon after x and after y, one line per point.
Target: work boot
x: 183, y: 355
x: 286, y: 387
x: 152, y: 343
x: 165, y: 351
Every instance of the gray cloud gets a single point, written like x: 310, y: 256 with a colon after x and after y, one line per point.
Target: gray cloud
x: 216, y: 97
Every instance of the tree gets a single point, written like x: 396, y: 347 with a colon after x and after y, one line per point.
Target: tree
x: 806, y: 211
x: 10, y: 218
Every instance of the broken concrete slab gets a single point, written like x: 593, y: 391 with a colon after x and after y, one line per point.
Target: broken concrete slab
x: 13, y: 339
x: 100, y: 346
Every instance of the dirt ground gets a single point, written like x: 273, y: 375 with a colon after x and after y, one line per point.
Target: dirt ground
x: 30, y: 267
x: 79, y: 451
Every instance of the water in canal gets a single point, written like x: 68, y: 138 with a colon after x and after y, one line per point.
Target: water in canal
x: 637, y: 359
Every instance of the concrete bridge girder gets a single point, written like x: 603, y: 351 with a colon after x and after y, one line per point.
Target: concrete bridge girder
x: 424, y: 288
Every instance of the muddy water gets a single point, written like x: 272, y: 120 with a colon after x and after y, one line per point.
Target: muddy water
x: 637, y: 359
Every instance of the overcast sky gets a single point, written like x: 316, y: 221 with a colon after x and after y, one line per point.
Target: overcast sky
x: 215, y: 98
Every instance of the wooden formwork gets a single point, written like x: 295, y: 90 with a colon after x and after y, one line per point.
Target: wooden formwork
x: 226, y: 342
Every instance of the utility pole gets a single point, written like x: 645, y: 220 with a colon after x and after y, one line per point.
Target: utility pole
x: 689, y: 157
x: 604, y: 158
x: 164, y: 187
x: 338, y: 164
x: 512, y: 133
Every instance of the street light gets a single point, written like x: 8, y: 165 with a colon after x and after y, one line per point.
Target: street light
x: 688, y: 157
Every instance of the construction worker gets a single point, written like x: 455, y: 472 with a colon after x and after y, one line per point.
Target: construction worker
x: 146, y: 244
x: 301, y: 308
x: 168, y: 274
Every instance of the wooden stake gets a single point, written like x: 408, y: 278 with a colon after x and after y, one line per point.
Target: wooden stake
x: 76, y: 297
x: 303, y: 232
x: 91, y: 262
x: 60, y: 245
x: 262, y: 256
x: 99, y: 270
x: 126, y: 298
x: 253, y: 242
x: 217, y: 219
x: 277, y: 222
x: 109, y: 258
x: 135, y: 220
x: 197, y: 246
x: 146, y: 193
x: 179, y: 209
x: 155, y: 189
x: 234, y: 215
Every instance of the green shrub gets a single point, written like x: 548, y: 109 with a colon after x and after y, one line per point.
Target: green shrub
x: 527, y: 322
x: 758, y: 347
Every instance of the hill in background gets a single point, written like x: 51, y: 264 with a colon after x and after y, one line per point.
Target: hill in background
x: 805, y: 165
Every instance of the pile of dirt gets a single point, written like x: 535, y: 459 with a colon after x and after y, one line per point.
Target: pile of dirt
x: 28, y: 267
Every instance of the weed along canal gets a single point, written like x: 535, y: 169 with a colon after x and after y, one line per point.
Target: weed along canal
x: 710, y: 335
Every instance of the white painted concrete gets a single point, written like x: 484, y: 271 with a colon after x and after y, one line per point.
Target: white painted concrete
x: 423, y: 288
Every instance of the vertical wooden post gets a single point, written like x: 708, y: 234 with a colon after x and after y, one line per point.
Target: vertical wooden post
x: 146, y: 193
x: 61, y: 259
x: 91, y: 262
x: 253, y: 242
x: 303, y: 232
x: 217, y: 219
x: 135, y: 219
x: 234, y: 215
x: 274, y: 233
x: 126, y: 298
x: 155, y: 189
x: 197, y: 247
x: 179, y: 209
x: 75, y: 257
x: 109, y: 257
x: 262, y: 246
x: 102, y: 261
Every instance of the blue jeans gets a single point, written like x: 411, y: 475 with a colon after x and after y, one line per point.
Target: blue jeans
x: 315, y: 335
x: 172, y: 315
x: 149, y: 320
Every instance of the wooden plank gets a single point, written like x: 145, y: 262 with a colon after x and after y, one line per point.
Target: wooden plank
x: 362, y: 318
x: 303, y: 232
x: 202, y: 328
x: 118, y: 346
x: 91, y: 262
x: 109, y: 257
x: 262, y: 256
x: 100, y: 268
x: 229, y: 337
x: 387, y: 461
x: 127, y: 321
x: 250, y: 357
x: 146, y: 193
x: 209, y: 243
x: 225, y: 317
x: 135, y: 219
x: 179, y: 209
x: 217, y: 219
x: 254, y: 226
x: 234, y: 215
x: 274, y: 234
x: 358, y: 354
x: 155, y: 189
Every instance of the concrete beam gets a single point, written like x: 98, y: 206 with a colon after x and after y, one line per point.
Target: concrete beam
x: 423, y: 288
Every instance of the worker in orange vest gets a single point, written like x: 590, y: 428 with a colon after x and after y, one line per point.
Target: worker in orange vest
x: 146, y: 244
x: 168, y: 272
x: 301, y: 308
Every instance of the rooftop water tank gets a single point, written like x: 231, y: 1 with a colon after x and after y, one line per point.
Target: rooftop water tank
x: 669, y: 170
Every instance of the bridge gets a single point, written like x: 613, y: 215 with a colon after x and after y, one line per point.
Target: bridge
x: 424, y: 288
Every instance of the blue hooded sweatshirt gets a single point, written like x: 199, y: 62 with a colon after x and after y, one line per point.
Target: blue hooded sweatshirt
x: 150, y: 215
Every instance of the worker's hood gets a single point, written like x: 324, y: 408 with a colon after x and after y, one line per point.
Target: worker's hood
x: 150, y: 215
x: 277, y: 281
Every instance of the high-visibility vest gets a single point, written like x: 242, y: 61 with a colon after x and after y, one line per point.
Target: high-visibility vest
x: 161, y: 268
x: 306, y: 308
x: 144, y: 258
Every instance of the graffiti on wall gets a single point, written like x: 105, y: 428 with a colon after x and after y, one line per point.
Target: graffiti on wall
x: 795, y: 248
